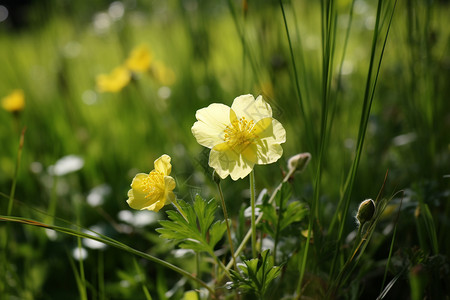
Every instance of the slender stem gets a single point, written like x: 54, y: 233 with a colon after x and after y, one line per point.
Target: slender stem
x: 249, y: 233
x: 225, y: 214
x: 16, y: 172
x: 82, y: 275
x: 253, y: 205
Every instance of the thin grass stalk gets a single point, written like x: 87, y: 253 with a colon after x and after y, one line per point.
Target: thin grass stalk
x: 341, y: 64
x: 328, y: 15
x: 80, y: 285
x: 367, y: 103
x: 394, y: 234
x: 301, y: 56
x: 306, y: 121
x: 142, y: 280
x: 81, y: 267
x: 277, y: 232
x: 253, y: 207
x: 242, y: 37
x: 225, y: 214
x: 16, y: 172
x: 110, y: 242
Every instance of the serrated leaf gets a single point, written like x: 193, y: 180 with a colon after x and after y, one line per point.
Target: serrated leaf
x: 197, y: 232
x: 216, y: 232
x: 295, y: 212
x: 256, y: 274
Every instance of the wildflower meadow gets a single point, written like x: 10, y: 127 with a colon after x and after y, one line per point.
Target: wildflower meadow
x: 226, y: 149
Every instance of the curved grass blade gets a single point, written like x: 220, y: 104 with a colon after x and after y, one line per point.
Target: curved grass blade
x: 108, y: 241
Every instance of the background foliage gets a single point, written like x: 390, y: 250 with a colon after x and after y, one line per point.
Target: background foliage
x: 217, y: 50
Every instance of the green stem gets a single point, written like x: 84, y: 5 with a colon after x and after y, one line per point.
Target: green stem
x: 82, y: 276
x: 253, y: 205
x: 225, y: 214
x: 16, y: 172
x: 249, y: 233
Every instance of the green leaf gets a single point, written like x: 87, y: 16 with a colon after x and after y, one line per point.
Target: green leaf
x: 256, y: 274
x: 283, y: 212
x: 198, y: 232
x: 295, y: 212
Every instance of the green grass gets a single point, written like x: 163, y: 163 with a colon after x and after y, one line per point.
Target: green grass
x: 360, y: 85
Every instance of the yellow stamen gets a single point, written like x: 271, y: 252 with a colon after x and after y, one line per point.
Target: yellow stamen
x: 240, y: 133
x: 154, y: 185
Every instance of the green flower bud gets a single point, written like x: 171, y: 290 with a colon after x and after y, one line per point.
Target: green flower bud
x: 366, y: 210
x: 298, y: 162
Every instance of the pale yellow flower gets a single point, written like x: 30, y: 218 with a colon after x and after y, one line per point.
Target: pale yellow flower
x: 114, y: 81
x: 239, y: 137
x: 154, y: 190
x: 14, y: 102
x: 139, y: 60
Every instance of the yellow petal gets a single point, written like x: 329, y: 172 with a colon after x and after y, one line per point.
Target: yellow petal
x: 212, y: 121
x: 114, y: 81
x: 169, y: 183
x: 138, y: 182
x: 250, y: 154
x: 268, y: 143
x: 136, y: 200
x: 163, y: 165
x: 268, y: 153
x: 170, y: 197
x: 221, y: 147
x: 246, y: 106
x: 139, y: 59
x: 230, y: 163
x: 275, y: 131
x: 156, y: 206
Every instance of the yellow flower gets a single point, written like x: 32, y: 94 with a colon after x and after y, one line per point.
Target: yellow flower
x: 239, y: 137
x: 139, y: 59
x: 153, y: 191
x: 14, y: 102
x: 163, y: 74
x: 114, y: 81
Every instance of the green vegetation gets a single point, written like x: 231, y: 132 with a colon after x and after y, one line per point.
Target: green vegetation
x: 360, y: 85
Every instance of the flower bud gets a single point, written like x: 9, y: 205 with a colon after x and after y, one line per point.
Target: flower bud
x: 366, y: 210
x: 298, y: 162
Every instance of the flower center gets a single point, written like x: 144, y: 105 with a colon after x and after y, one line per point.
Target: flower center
x: 154, y: 185
x: 240, y: 133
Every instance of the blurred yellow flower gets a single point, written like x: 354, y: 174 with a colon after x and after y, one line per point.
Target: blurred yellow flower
x: 162, y: 73
x: 114, y: 81
x: 139, y: 59
x: 153, y: 191
x: 14, y: 102
x: 239, y: 137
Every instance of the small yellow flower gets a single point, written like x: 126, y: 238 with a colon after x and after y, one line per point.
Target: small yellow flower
x: 139, y: 59
x: 114, y: 81
x: 14, y: 102
x: 239, y: 137
x: 154, y: 190
x: 163, y: 74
